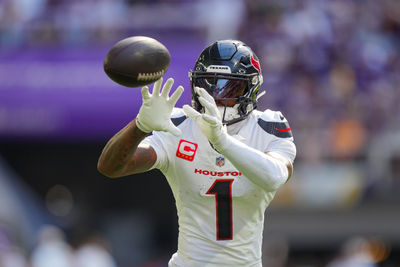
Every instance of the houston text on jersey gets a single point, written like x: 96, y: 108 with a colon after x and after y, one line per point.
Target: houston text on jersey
x: 214, y: 173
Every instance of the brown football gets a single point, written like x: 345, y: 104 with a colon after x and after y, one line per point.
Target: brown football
x: 137, y: 61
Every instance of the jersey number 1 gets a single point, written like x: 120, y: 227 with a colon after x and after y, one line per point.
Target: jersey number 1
x: 222, y: 190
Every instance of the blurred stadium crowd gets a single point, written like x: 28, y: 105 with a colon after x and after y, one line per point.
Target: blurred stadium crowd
x: 52, y: 250
x: 336, y: 65
x: 332, y: 67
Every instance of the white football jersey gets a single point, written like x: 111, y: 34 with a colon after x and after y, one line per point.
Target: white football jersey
x: 220, y: 211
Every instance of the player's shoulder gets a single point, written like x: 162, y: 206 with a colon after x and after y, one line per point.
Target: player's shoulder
x: 178, y: 116
x: 273, y: 122
x: 269, y: 115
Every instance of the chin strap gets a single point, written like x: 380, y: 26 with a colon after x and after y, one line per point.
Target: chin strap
x: 260, y: 95
x: 230, y: 115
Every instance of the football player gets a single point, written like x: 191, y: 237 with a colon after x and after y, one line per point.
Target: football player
x: 223, y: 159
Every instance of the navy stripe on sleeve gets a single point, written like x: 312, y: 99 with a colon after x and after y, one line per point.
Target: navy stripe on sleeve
x: 279, y: 129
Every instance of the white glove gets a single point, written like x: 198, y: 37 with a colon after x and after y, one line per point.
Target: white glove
x: 210, y: 123
x: 155, y: 112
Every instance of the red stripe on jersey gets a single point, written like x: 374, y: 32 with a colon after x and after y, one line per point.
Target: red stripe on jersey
x: 283, y: 130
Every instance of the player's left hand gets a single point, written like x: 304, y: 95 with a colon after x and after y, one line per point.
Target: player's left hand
x: 156, y: 109
x: 210, y: 123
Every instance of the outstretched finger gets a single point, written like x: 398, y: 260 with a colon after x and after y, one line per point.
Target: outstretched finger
x: 176, y: 95
x: 191, y: 112
x: 157, y: 87
x: 205, y: 104
x: 145, y: 93
x: 173, y: 129
x: 210, y: 119
x: 202, y: 92
x: 167, y: 87
x: 210, y: 107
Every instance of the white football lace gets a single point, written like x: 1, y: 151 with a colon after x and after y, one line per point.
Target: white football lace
x: 150, y: 76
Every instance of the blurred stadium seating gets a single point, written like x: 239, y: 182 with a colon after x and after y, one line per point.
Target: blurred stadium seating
x: 332, y: 67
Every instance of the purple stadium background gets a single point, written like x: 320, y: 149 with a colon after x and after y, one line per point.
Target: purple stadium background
x: 63, y: 92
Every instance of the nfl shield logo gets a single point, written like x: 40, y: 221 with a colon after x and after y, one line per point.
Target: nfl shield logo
x: 220, y: 161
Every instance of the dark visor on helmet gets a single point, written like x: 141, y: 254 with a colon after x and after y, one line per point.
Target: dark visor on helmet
x: 222, y: 88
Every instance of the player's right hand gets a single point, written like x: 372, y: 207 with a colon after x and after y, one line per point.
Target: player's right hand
x: 210, y: 122
x: 156, y: 109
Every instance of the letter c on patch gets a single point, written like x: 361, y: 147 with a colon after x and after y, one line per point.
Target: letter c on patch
x: 186, y: 150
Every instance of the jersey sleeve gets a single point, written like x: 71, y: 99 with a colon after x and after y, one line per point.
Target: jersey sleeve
x: 275, y: 124
x: 155, y: 141
x: 284, y: 147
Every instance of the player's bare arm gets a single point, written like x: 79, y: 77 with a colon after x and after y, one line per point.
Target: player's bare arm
x: 124, y: 155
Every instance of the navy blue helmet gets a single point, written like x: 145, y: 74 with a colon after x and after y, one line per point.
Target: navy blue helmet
x: 231, y: 73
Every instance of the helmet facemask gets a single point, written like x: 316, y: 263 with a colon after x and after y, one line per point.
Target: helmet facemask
x: 235, y: 95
